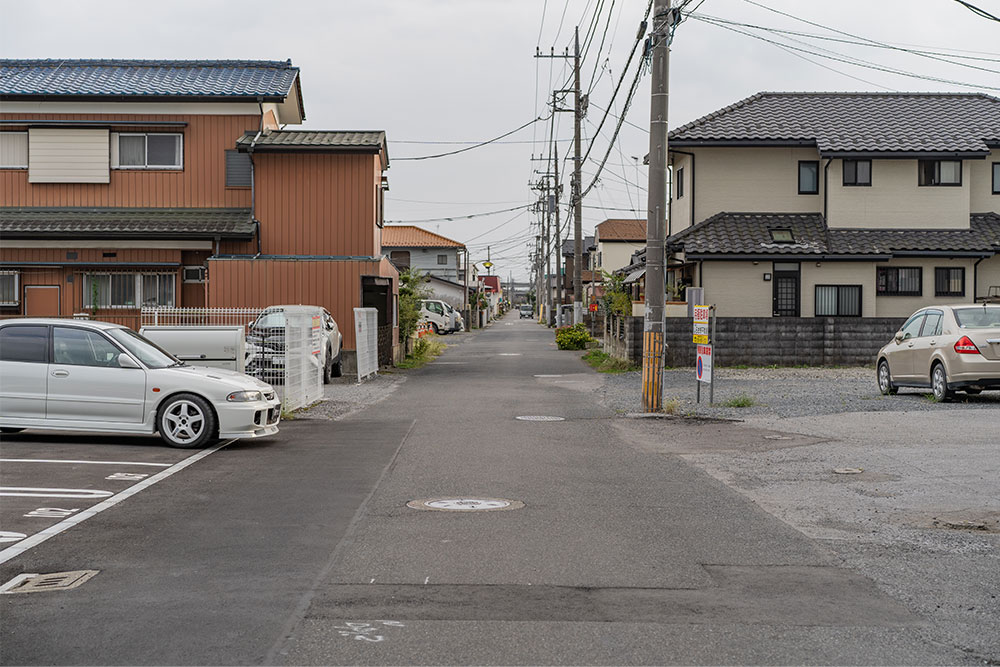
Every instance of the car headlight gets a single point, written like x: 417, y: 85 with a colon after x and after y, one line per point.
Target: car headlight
x: 245, y: 396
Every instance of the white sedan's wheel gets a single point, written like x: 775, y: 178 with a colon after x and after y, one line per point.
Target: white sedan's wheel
x: 186, y: 421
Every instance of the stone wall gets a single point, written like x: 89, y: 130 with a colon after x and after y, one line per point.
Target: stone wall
x: 765, y: 341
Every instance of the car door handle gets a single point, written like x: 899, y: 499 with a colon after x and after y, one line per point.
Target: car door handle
x: 60, y: 374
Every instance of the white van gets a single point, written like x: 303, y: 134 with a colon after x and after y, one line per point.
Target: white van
x: 440, y: 315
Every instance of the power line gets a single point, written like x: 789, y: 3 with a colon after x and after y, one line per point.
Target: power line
x: 469, y: 148
x: 458, y: 217
x: 976, y: 10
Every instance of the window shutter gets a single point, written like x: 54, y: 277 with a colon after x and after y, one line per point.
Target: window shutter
x: 114, y: 151
x: 237, y: 169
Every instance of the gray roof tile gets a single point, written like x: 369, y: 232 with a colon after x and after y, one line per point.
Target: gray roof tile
x: 146, y: 78
x: 750, y: 234
x: 862, y: 122
x: 333, y: 139
x: 163, y: 223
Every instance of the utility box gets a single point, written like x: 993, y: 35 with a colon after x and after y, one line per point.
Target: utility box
x: 212, y: 346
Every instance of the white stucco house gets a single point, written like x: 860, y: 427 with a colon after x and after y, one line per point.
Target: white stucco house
x: 408, y: 246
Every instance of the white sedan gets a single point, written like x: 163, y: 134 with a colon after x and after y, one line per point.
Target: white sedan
x: 78, y: 375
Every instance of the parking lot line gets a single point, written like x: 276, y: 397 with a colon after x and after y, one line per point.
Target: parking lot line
x: 31, y: 542
x: 102, y: 463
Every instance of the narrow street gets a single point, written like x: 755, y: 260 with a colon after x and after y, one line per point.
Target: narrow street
x: 303, y: 550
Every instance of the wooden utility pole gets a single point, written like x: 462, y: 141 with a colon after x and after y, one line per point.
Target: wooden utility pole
x: 656, y: 225
x: 577, y: 187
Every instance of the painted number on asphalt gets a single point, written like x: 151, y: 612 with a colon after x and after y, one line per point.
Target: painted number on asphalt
x: 51, y: 512
x: 366, y: 632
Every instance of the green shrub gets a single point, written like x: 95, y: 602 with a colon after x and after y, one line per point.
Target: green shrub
x: 741, y: 401
x: 572, y: 338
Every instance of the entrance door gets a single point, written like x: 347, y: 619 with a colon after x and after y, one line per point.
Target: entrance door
x: 375, y: 293
x: 41, y: 301
x: 786, y: 289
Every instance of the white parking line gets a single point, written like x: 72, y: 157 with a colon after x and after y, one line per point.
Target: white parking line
x: 102, y: 463
x: 36, y: 539
x: 37, y: 492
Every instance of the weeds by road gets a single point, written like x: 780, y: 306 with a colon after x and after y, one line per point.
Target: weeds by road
x: 605, y: 363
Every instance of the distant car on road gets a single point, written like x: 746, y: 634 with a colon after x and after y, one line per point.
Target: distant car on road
x: 944, y: 348
x: 74, y: 375
x: 525, y: 311
x: 266, y: 346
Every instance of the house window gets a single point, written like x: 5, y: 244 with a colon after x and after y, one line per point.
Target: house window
x: 194, y: 274
x: 680, y: 182
x: 940, y: 172
x: 8, y: 288
x: 899, y: 281
x: 838, y: 300
x: 857, y: 172
x: 782, y: 236
x: 808, y: 177
x: 996, y: 178
x: 442, y: 260
x: 13, y: 150
x: 401, y: 258
x: 128, y: 290
x: 150, y: 151
x: 237, y: 169
x: 949, y: 281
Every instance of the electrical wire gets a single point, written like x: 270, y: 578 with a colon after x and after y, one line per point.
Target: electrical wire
x: 469, y: 148
x: 452, y: 218
x: 976, y: 10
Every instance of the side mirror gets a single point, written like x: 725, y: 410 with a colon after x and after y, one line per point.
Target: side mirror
x: 126, y: 361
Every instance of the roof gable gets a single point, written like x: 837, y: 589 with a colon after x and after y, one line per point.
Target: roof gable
x: 854, y: 122
x: 410, y: 236
x: 622, y: 230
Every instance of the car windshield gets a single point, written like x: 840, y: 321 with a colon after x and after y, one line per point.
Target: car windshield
x: 147, y: 351
x: 986, y: 317
x: 273, y: 319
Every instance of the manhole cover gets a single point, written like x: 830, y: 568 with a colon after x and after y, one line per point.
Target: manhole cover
x: 57, y: 581
x: 848, y: 471
x: 540, y: 418
x: 465, y: 504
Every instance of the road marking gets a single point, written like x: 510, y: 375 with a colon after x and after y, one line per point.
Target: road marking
x: 36, y: 539
x: 38, y: 492
x: 426, y: 581
x: 52, y: 512
x: 7, y: 536
x: 102, y: 463
x: 548, y: 376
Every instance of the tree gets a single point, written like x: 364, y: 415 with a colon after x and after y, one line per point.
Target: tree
x: 411, y: 292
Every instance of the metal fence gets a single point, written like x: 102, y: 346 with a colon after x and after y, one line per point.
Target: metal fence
x: 366, y: 341
x: 303, y: 360
x: 170, y: 316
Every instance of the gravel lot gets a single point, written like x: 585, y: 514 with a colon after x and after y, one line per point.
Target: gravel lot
x: 344, y: 396
x: 782, y: 392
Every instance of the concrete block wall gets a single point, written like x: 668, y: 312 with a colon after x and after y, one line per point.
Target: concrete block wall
x: 765, y: 341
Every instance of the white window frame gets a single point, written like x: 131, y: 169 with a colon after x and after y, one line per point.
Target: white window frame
x: 202, y: 273
x: 136, y: 277
x: 17, y: 166
x: 116, y: 152
x: 17, y: 288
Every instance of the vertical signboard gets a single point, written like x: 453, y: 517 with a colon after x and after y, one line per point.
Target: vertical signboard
x: 704, y: 364
x: 700, y: 325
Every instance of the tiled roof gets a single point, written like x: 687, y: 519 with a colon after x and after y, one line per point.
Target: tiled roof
x: 750, y: 234
x: 147, y: 78
x: 569, y: 245
x: 622, y: 230
x: 163, y: 223
x: 312, y: 139
x: 408, y: 236
x: 861, y: 122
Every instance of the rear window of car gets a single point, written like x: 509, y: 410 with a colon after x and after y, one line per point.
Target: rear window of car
x: 24, y: 343
x: 271, y: 320
x: 987, y: 317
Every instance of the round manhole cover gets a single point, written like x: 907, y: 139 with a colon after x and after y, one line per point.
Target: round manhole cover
x: 848, y: 471
x: 540, y: 418
x: 465, y: 504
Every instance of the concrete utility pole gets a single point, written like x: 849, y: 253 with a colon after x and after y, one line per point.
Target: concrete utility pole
x: 538, y: 274
x: 656, y: 226
x: 559, y: 273
x: 577, y: 187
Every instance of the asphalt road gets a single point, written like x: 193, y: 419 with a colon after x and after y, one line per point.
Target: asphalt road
x: 302, y: 549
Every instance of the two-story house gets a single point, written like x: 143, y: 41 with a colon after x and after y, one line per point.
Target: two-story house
x: 838, y: 204
x: 130, y: 183
x: 410, y: 247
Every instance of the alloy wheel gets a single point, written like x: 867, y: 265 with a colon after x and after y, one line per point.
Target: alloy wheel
x: 184, y: 421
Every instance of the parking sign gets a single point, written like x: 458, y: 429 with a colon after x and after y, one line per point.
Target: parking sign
x: 704, y: 365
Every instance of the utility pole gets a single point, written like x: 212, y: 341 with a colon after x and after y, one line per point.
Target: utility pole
x: 577, y: 187
x: 538, y: 274
x: 656, y: 226
x: 559, y: 272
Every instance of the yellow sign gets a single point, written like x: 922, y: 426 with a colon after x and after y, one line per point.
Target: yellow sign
x: 700, y: 333
x: 700, y: 339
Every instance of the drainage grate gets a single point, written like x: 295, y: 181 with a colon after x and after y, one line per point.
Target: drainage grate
x: 56, y: 581
x: 539, y: 418
x: 465, y: 504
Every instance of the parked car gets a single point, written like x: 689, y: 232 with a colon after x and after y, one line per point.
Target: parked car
x: 525, y: 311
x: 265, y: 346
x: 944, y: 348
x: 96, y: 376
x: 440, y: 315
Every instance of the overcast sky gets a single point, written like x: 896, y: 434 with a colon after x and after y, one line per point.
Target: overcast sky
x: 464, y: 71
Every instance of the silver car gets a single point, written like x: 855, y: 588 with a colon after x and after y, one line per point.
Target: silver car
x: 76, y: 375
x: 944, y: 348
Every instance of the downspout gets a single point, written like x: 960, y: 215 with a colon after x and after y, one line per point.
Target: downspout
x: 975, y: 279
x: 253, y: 178
x: 826, y: 189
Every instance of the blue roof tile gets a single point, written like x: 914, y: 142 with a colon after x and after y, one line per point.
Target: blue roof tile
x: 147, y: 78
